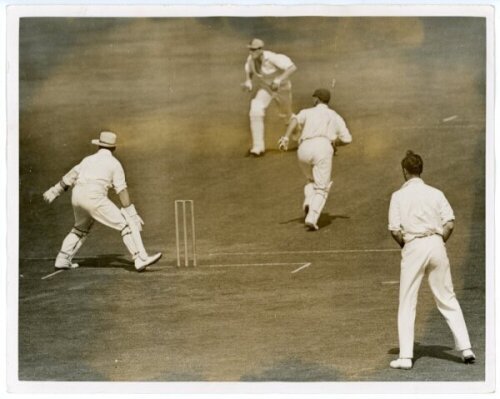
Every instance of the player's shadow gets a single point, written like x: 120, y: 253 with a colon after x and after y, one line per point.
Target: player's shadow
x: 271, y: 152
x: 435, y: 351
x: 118, y: 261
x: 324, y: 220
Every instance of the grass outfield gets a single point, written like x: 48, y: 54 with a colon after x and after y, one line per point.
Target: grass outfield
x: 269, y: 300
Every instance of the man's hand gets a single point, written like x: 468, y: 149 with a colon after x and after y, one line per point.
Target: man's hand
x: 283, y: 143
x: 52, y: 193
x: 398, y: 237
x: 247, y: 85
x: 276, y: 84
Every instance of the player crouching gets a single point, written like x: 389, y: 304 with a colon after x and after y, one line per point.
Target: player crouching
x: 90, y: 180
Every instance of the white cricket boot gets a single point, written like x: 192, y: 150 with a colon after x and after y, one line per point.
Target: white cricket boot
x: 400, y: 363
x: 141, y: 263
x: 133, y: 241
x: 63, y: 263
x: 468, y: 356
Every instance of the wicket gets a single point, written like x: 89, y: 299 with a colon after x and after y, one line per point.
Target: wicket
x: 180, y: 208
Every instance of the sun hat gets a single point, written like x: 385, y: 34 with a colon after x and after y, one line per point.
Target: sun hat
x: 106, y: 139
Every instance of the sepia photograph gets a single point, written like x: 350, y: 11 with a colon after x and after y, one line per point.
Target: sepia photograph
x: 236, y: 199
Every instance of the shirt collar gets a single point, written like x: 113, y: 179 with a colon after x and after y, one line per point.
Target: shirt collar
x: 322, y: 105
x: 104, y: 151
x: 413, y: 180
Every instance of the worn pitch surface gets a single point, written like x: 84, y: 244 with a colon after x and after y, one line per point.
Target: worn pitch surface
x: 170, y: 89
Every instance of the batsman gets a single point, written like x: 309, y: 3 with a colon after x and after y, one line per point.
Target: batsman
x: 321, y: 130
x: 91, y: 179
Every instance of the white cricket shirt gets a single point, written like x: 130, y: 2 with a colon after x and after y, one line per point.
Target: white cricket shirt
x: 272, y: 65
x: 98, y: 173
x: 322, y: 121
x: 418, y: 210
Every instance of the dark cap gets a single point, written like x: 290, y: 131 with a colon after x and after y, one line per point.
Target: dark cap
x: 322, y: 94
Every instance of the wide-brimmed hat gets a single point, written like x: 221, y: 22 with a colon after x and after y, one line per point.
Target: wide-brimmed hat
x: 106, y: 139
x: 255, y: 44
x: 322, y: 94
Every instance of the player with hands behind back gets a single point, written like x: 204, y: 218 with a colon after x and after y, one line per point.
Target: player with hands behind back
x: 421, y: 220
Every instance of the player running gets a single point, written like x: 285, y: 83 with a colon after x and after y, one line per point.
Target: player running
x: 321, y: 129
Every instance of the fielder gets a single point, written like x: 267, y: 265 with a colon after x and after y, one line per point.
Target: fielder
x: 321, y: 129
x: 421, y: 220
x: 90, y: 180
x: 272, y: 72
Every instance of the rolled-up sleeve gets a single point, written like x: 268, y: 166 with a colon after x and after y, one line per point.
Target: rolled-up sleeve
x: 394, y: 214
x: 445, y: 211
x: 342, y: 132
x: 247, y: 66
x: 301, y: 117
x: 280, y: 60
x: 119, y: 183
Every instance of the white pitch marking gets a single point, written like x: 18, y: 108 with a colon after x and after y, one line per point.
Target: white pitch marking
x: 52, y: 274
x: 390, y: 282
x: 333, y: 251
x: 450, y: 118
x: 258, y: 264
x: 302, y: 267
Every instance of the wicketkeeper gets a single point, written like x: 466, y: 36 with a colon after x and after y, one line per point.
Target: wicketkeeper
x: 90, y: 180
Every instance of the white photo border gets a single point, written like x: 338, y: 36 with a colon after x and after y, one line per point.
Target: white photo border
x: 14, y: 12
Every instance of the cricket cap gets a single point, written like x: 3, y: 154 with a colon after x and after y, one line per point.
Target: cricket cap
x: 322, y: 94
x: 255, y: 44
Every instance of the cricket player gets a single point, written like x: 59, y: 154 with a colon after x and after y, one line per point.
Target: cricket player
x: 271, y: 72
x: 90, y: 180
x: 321, y: 129
x: 421, y: 220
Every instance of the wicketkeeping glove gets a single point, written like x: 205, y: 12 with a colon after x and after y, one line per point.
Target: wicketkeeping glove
x: 131, y: 211
x: 52, y: 193
x: 283, y: 143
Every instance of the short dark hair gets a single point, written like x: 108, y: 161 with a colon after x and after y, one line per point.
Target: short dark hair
x: 322, y: 95
x: 412, y: 163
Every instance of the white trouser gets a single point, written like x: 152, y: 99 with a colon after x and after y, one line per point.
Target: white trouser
x: 315, y: 160
x: 258, y: 107
x: 420, y: 256
x: 89, y: 205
